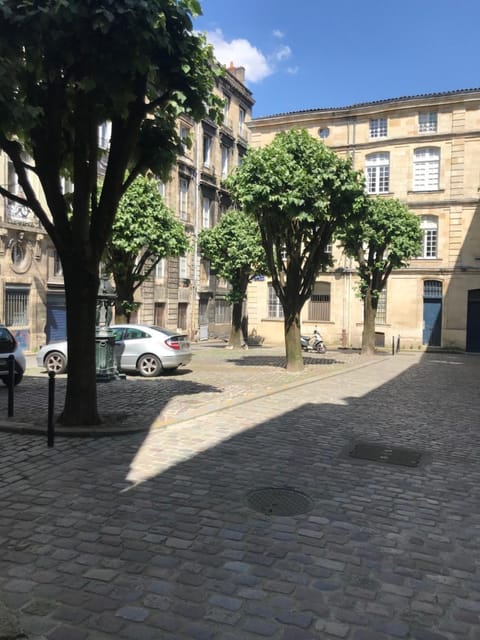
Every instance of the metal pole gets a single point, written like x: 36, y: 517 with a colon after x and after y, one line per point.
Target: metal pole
x: 398, y: 344
x: 51, y: 404
x: 393, y: 345
x: 11, y: 383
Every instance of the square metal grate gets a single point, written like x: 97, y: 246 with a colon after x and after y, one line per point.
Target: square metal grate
x: 389, y: 455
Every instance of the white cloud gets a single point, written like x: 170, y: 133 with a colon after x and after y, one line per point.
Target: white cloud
x: 283, y: 53
x: 242, y: 53
x: 293, y: 70
x: 278, y: 34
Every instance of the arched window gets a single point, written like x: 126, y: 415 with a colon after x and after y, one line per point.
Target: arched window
x: 426, y: 169
x: 429, y: 226
x: 377, y: 169
x: 319, y: 305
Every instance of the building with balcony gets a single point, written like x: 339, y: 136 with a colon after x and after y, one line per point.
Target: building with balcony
x: 425, y: 151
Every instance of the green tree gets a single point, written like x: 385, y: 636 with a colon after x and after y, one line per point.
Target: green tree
x: 235, y: 252
x: 66, y: 67
x: 144, y: 231
x: 381, y: 241
x: 300, y: 192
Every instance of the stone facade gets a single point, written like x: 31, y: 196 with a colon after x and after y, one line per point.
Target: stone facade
x: 425, y: 151
x: 182, y: 293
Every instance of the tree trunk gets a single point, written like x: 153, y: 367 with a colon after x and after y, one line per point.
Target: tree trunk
x: 81, y: 288
x: 236, y: 334
x: 293, y: 347
x: 369, y: 315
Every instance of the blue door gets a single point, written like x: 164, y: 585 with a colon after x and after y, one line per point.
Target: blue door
x: 56, y: 328
x: 473, y: 321
x: 432, y: 313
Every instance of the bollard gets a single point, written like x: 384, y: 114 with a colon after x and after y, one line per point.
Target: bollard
x: 51, y: 404
x: 11, y: 383
x: 398, y: 344
x: 393, y: 345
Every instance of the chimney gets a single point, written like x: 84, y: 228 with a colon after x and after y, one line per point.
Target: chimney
x: 238, y: 72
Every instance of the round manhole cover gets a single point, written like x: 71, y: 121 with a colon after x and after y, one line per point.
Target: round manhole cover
x: 279, y: 501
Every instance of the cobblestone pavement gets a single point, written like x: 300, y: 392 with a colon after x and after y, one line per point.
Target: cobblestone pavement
x: 150, y: 536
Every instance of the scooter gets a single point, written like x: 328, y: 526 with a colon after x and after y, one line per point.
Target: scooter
x: 313, y: 342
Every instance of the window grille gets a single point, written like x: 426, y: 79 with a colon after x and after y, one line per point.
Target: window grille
x: 275, y: 309
x: 427, y: 121
x: 319, y: 304
x: 16, y: 306
x: 429, y: 226
x: 381, y: 317
x: 183, y: 186
x: 432, y: 289
x: 378, y: 128
x: 378, y: 172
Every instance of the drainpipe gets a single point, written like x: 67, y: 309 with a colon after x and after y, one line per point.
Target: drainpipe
x: 196, y: 228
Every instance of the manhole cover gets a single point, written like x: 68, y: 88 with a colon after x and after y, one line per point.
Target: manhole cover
x: 279, y: 501
x: 390, y: 455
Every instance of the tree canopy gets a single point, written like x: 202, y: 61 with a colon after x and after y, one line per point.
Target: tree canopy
x: 144, y: 231
x: 66, y: 67
x: 234, y: 249
x: 301, y: 193
x: 382, y: 240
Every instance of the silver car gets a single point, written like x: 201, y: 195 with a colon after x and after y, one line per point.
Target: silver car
x: 145, y: 349
x: 10, y: 347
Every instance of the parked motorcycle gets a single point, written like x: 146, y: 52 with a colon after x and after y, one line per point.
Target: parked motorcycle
x: 313, y: 343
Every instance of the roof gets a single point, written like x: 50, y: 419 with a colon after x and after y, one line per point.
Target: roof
x: 374, y: 102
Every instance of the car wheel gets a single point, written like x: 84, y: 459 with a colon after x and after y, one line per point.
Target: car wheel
x: 55, y: 362
x: 149, y: 366
x: 16, y: 380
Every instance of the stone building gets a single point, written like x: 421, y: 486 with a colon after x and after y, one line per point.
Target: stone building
x: 182, y: 293
x: 425, y: 151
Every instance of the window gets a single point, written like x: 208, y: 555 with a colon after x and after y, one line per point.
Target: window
x: 432, y: 289
x: 426, y: 169
x: 12, y: 178
x: 275, y: 310
x: 225, y: 152
x: 184, y: 133
x: 206, y: 212
x: 222, y: 311
x: 57, y: 265
x: 16, y: 306
x: 226, y: 107
x: 204, y: 272
x: 182, y: 315
x: 183, y: 186
x: 207, y: 149
x: 241, y: 122
x: 319, y: 305
x: 135, y: 334
x: 183, y: 270
x: 161, y: 188
x: 104, y: 135
x: 17, y: 253
x: 378, y: 172
x: 427, y: 121
x: 429, y: 226
x: 378, y: 128
x: 381, y: 317
x: 160, y: 269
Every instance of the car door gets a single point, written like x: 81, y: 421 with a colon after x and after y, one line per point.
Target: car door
x: 131, y: 347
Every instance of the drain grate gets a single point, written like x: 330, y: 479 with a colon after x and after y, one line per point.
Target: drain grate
x: 279, y: 501
x: 389, y: 455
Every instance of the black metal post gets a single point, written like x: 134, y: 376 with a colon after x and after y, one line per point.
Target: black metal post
x: 398, y: 344
x: 51, y: 405
x: 11, y: 383
x: 393, y: 345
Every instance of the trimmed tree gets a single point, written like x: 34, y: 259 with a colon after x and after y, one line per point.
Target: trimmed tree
x: 301, y: 193
x: 144, y: 231
x: 235, y: 252
x: 381, y: 241
x: 66, y: 68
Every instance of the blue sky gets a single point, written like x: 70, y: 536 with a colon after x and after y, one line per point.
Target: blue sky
x: 316, y: 53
